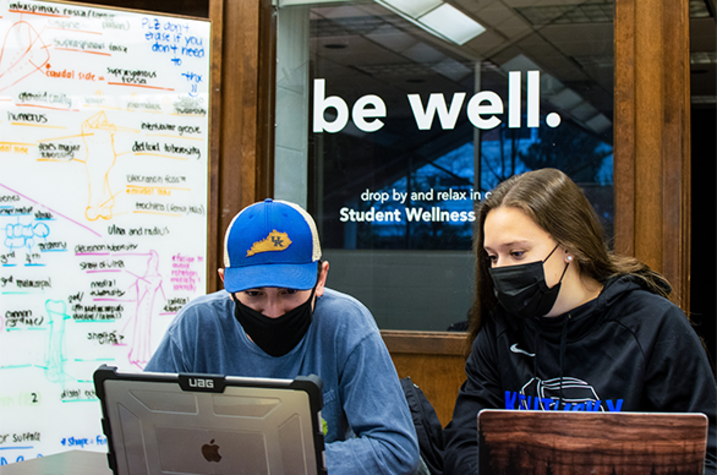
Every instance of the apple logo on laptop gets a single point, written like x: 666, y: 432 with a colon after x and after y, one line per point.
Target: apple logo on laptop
x: 211, y: 452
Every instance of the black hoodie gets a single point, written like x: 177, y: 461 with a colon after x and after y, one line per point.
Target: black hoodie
x: 626, y: 350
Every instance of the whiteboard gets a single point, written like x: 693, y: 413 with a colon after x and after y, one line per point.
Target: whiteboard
x: 104, y: 127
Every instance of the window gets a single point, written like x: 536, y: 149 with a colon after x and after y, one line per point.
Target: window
x: 395, y: 118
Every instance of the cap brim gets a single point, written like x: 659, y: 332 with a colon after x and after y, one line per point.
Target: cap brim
x: 286, y: 276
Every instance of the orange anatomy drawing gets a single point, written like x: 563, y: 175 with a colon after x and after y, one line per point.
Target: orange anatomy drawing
x: 98, y: 135
x: 23, y: 53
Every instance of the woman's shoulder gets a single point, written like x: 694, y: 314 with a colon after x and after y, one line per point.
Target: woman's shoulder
x: 497, y: 326
x: 643, y: 311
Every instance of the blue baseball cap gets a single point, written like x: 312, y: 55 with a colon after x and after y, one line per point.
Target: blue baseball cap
x: 271, y: 244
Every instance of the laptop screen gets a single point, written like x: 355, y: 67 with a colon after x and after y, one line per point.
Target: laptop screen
x: 208, y: 424
x: 557, y: 442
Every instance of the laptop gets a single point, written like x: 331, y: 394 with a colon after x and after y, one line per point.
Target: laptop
x: 561, y: 443
x: 158, y: 423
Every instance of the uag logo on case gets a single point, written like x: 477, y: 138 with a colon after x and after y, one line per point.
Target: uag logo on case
x: 201, y: 383
x: 198, y: 383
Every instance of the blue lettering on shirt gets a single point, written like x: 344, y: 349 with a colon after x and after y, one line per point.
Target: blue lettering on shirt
x: 522, y: 402
x: 510, y: 398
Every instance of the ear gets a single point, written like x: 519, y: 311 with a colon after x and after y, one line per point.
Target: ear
x: 321, y: 281
x: 220, y: 271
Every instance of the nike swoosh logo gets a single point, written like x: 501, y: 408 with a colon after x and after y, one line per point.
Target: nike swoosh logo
x: 514, y: 348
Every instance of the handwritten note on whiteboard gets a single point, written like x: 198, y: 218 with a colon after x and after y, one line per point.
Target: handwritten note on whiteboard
x: 103, y: 206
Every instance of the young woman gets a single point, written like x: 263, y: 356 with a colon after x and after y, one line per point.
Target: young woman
x: 560, y: 323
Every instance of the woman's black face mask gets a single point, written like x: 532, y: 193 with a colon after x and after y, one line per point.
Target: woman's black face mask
x: 276, y: 336
x: 522, y: 290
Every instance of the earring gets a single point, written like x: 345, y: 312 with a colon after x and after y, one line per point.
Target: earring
x: 570, y: 258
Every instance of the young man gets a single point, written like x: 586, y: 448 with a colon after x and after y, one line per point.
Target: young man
x: 276, y: 319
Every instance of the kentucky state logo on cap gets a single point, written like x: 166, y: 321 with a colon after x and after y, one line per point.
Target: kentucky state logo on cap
x: 275, y: 241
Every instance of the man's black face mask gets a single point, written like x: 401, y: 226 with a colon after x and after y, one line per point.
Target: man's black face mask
x: 276, y: 336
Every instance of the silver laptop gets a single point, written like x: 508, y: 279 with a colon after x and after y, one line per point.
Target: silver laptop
x: 159, y: 423
x: 560, y: 442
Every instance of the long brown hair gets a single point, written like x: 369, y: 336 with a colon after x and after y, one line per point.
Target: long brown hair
x: 556, y: 204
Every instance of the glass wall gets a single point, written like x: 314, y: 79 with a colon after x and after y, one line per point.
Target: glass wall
x: 396, y: 118
x: 703, y: 92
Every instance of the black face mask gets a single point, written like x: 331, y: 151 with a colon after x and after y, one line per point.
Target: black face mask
x: 276, y: 336
x: 522, y: 290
